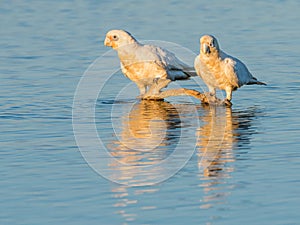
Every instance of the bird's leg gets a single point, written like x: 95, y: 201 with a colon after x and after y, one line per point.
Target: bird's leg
x: 142, y: 88
x: 228, y: 94
x: 157, y: 85
x: 212, y: 91
x: 154, y: 91
x: 227, y: 100
x: 211, y: 95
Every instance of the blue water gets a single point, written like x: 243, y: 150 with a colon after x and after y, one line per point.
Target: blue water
x: 253, y: 177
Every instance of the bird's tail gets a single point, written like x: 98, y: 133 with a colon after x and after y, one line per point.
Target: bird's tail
x: 255, y: 81
x: 190, y: 73
x: 261, y: 83
x: 182, y: 74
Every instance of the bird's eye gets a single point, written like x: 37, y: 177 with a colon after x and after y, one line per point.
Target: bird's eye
x: 212, y: 44
x: 115, y: 37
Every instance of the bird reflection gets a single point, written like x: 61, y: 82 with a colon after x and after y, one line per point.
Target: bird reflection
x: 146, y: 136
x: 149, y: 124
x: 222, y: 132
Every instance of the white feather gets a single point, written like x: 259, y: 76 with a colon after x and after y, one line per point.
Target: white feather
x: 143, y: 63
x: 220, y: 70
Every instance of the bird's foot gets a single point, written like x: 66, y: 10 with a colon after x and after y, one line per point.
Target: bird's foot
x: 227, y: 102
x: 151, y: 97
x: 158, y: 84
x: 211, y: 98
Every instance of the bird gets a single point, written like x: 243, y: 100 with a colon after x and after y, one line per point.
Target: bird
x: 147, y: 65
x: 221, y: 71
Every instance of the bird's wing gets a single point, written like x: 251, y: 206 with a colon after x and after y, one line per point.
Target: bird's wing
x: 197, y: 65
x: 175, y: 68
x: 236, y: 70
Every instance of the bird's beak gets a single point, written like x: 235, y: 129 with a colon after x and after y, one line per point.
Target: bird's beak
x: 107, y: 42
x: 206, y: 49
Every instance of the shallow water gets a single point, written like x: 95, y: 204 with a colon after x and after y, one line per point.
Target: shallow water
x: 226, y: 166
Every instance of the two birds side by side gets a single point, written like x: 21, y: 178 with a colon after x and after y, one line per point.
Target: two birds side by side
x: 148, y: 65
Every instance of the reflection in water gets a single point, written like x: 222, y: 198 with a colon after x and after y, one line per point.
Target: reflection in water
x: 222, y: 132
x: 127, y: 198
x: 146, y: 136
x: 150, y: 126
x: 149, y: 132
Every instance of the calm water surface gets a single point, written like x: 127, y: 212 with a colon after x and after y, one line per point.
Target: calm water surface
x: 254, y: 177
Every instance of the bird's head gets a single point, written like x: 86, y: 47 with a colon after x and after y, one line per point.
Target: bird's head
x: 209, y: 45
x: 118, y: 38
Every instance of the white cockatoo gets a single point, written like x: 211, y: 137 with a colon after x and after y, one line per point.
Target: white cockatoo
x: 219, y: 70
x: 146, y: 64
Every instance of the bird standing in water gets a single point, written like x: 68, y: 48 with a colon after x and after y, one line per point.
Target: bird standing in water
x: 147, y: 65
x: 220, y: 70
